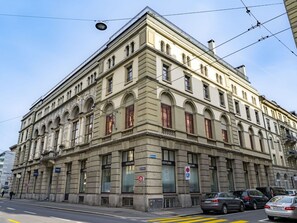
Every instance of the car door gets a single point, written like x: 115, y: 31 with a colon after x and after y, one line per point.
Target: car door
x: 261, y: 198
x: 233, y: 201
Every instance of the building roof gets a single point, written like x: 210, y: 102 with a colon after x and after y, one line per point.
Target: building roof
x: 291, y: 7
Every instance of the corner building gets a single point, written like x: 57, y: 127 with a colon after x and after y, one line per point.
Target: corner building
x: 122, y: 127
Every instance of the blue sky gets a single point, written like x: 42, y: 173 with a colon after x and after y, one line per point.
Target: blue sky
x: 37, y: 53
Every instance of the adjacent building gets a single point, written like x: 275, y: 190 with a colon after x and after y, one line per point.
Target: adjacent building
x: 6, y: 166
x: 291, y: 7
x: 148, y: 107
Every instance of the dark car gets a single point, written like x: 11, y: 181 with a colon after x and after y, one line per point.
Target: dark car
x: 221, y: 202
x: 252, y: 198
x: 270, y: 192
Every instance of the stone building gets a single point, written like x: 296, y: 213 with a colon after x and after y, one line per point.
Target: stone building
x: 121, y: 129
x: 6, y: 165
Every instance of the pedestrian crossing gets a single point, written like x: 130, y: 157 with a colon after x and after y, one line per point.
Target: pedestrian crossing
x: 193, y: 219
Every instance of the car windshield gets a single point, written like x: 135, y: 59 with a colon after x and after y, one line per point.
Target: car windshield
x: 211, y: 195
x: 277, y: 199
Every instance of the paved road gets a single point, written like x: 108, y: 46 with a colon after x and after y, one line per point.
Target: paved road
x: 14, y: 212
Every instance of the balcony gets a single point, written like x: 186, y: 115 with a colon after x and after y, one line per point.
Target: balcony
x: 48, y: 157
x: 292, y: 153
x: 289, y: 139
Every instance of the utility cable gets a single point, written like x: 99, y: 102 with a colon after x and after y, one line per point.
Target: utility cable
x: 248, y: 11
x: 121, y: 19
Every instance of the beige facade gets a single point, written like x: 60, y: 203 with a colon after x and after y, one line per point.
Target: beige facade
x: 120, y: 130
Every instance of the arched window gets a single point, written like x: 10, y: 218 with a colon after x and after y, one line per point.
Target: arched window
x: 113, y: 60
x: 109, y: 120
x: 168, y: 49
x: 108, y: 63
x: 184, y: 58
x: 132, y: 47
x: 201, y: 68
x: 208, y: 124
x: 205, y: 71
x: 89, y: 105
x: 129, y: 111
x: 127, y: 51
x: 166, y: 111
x: 75, y: 126
x: 189, y: 118
x: 162, y: 46
x: 224, y: 127
x: 188, y: 61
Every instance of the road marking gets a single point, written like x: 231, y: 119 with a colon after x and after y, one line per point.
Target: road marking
x: 263, y: 220
x: 240, y: 221
x: 176, y: 219
x: 12, y: 209
x: 29, y: 212
x: 217, y: 221
x: 13, y: 221
x: 62, y: 219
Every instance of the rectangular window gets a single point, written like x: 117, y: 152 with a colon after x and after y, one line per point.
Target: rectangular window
x: 68, y: 180
x: 83, y: 176
x: 74, y: 138
x: 247, y: 111
x: 89, y: 128
x: 166, y: 73
x: 268, y: 124
x: 188, y: 84
x: 129, y: 73
x: 56, y: 137
x: 208, y: 128
x: 168, y: 171
x: 222, y: 99
x: 128, y: 171
x: 275, y: 128
x: 274, y: 159
x: 129, y: 118
x: 109, y: 124
x: 109, y: 85
x: 189, y: 122
x: 237, y: 108
x: 225, y: 135
x: 206, y: 91
x: 166, y: 116
x: 106, y: 173
x: 257, y: 117
x: 194, y: 179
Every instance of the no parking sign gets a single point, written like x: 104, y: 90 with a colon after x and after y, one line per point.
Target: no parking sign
x: 187, y: 172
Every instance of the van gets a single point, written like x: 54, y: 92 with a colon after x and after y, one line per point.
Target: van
x: 272, y: 191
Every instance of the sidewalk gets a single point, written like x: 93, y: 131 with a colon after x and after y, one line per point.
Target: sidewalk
x: 110, y: 211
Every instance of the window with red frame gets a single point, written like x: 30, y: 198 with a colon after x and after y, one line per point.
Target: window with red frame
x: 166, y: 116
x: 109, y: 123
x: 208, y: 128
x: 129, y: 122
x: 189, y: 122
x: 225, y: 135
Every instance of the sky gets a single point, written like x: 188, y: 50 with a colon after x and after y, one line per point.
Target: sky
x: 42, y: 41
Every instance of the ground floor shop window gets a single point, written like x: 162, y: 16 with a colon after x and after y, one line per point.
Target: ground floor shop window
x: 230, y: 174
x: 83, y: 176
x: 106, y: 169
x: 194, y: 178
x: 68, y: 180
x: 214, y: 186
x: 168, y: 171
x: 128, y: 172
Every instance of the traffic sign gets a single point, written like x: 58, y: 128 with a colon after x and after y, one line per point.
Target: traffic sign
x: 140, y: 179
x: 187, y: 172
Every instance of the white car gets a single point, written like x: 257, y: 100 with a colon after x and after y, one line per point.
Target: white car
x: 282, y: 206
x: 291, y: 192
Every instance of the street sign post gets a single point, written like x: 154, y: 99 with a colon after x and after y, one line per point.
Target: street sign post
x: 187, y: 172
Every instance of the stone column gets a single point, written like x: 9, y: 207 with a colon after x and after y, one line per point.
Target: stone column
x: 252, y: 175
x: 115, y: 189
x: 38, y: 148
x: 45, y: 142
x: 81, y: 131
x: 204, y: 173
x: 222, y: 174
x: 31, y: 155
x: 60, y: 138
x: 238, y: 175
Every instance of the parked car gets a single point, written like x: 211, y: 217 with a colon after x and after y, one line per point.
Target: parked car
x: 252, y: 198
x: 282, y: 206
x: 291, y: 192
x: 272, y: 191
x: 221, y: 202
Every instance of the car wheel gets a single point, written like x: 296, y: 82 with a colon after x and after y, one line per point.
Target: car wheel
x: 241, y: 207
x: 255, y: 207
x: 271, y: 218
x: 205, y: 211
x: 224, y: 209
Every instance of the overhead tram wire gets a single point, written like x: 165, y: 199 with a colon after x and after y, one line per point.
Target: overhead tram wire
x: 10, y: 119
x: 128, y: 18
x: 250, y: 13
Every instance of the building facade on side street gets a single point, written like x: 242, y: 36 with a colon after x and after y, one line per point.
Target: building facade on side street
x: 6, y: 166
x: 124, y: 128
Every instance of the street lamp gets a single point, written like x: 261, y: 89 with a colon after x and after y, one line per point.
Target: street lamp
x: 101, y: 26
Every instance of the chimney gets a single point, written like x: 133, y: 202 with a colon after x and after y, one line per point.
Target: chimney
x: 212, y: 46
x: 241, y: 69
